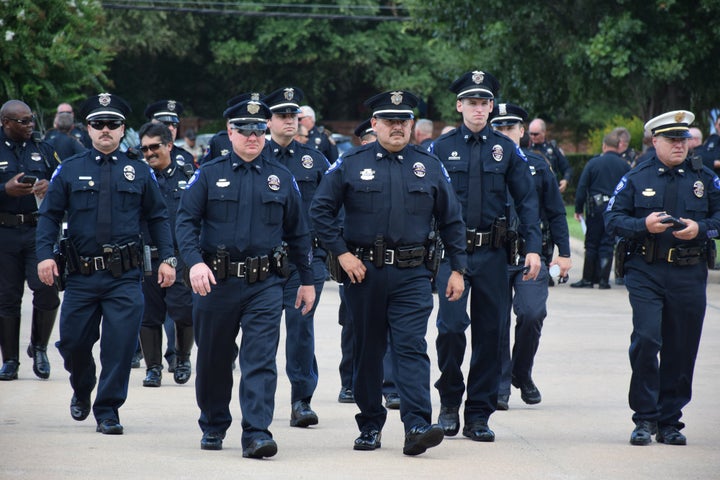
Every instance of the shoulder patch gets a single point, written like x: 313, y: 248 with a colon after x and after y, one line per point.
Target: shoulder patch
x: 520, y: 153
x: 57, y: 170
x: 716, y: 182
x: 336, y: 164
x: 194, y: 178
x: 621, y: 185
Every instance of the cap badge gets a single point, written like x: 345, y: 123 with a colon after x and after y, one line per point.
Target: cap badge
x: 419, y: 169
x: 171, y: 105
x: 273, y: 183
x: 104, y: 99
x: 396, y: 98
x: 502, y: 109
x: 699, y: 189
x: 253, y: 107
x: 478, y: 76
x: 307, y: 161
x: 497, y: 153
x: 129, y: 172
x: 289, y: 93
x: 367, y: 174
x: 679, y: 117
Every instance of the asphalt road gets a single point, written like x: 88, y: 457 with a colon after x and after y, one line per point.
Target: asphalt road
x: 579, y: 431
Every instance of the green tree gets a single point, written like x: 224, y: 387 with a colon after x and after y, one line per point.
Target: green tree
x: 50, y: 51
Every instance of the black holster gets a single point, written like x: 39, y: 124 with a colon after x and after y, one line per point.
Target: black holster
x: 621, y: 254
x: 499, y: 232
x: 336, y: 272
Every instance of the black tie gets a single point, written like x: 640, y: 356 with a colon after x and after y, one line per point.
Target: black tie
x: 474, y: 204
x: 671, y: 193
x: 103, y: 231
x: 396, y: 220
x: 246, y: 189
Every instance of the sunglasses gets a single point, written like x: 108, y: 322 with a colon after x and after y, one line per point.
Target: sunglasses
x: 153, y: 147
x: 100, y: 124
x: 257, y: 129
x: 534, y: 134
x: 171, y: 124
x: 22, y: 121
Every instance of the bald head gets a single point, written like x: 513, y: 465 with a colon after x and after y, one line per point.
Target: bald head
x: 696, y: 138
x: 536, y: 130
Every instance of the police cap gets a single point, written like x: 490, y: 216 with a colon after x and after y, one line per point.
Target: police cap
x: 475, y: 84
x: 394, y: 105
x: 506, y: 114
x: 365, y: 128
x: 164, y: 111
x: 248, y: 112
x: 284, y: 100
x: 675, y: 124
x: 105, y: 106
x: 256, y: 96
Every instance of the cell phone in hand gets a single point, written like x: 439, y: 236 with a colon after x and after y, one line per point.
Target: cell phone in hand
x: 30, y: 179
x: 675, y: 222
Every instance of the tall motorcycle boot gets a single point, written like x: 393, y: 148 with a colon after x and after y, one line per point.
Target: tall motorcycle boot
x: 588, y: 272
x: 10, y: 346
x: 43, y: 322
x: 183, y: 346
x: 605, y: 266
x: 151, y: 344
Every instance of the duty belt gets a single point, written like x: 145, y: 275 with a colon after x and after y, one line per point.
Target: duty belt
x: 407, y: 256
x: 599, y: 199
x: 477, y: 239
x: 117, y: 258
x: 682, y: 256
x: 17, y: 219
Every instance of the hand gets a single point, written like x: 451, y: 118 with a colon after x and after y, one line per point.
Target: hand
x: 305, y: 298
x: 563, y: 185
x: 47, y: 271
x: 16, y: 189
x: 578, y: 217
x: 201, y: 277
x: 40, y: 188
x: 653, y: 222
x: 353, y: 266
x: 532, y: 262
x: 689, y: 232
x: 564, y: 263
x: 455, y: 287
x: 166, y: 275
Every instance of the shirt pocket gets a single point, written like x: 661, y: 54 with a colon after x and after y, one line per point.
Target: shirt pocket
x: 84, y: 194
x: 273, y: 208
x: 130, y: 195
x: 646, y: 204
x: 223, y: 204
x: 494, y: 177
x: 420, y: 199
x: 366, y: 197
x: 696, y: 208
x: 458, y: 172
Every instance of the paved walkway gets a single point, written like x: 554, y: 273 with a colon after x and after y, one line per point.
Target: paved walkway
x: 579, y: 431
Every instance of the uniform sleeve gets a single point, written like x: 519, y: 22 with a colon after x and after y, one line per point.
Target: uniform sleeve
x: 620, y: 213
x: 156, y: 214
x: 448, y: 211
x: 581, y: 192
x: 522, y: 189
x: 710, y: 226
x: 552, y: 204
x: 52, y: 211
x: 189, y: 217
x: 297, y: 236
x: 325, y: 207
x: 564, y: 165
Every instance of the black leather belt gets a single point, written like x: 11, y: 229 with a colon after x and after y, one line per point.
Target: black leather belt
x: 682, y: 256
x: 403, y: 256
x: 481, y: 238
x: 17, y: 219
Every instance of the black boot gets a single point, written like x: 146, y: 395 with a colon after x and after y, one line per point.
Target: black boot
x: 605, y: 266
x: 588, y: 272
x: 10, y: 346
x: 151, y: 343
x: 183, y: 346
x: 43, y: 322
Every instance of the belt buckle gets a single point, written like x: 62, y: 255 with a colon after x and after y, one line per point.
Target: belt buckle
x: 240, y: 273
x: 671, y: 255
x: 21, y: 218
x: 99, y: 263
x: 389, y: 256
x: 479, y: 238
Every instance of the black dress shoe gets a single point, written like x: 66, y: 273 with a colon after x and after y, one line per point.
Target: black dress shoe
x: 449, y: 420
x: 642, y: 434
x: 392, y: 401
x: 41, y: 364
x: 302, y: 415
x: 212, y: 441
x: 153, y: 377
x: 263, y: 447
x: 79, y: 409
x: 346, y: 395
x: 182, y: 372
x: 368, y: 440
x: 582, y: 284
x: 604, y: 286
x: 109, y: 427
x: 670, y: 435
x: 9, y: 370
x: 135, y: 363
x: 479, y: 431
x: 422, y: 437
x: 528, y: 391
x: 503, y: 402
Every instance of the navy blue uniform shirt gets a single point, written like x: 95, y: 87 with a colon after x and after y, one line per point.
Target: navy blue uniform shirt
x: 504, y: 168
x: 214, y: 211
x: 360, y: 181
x: 560, y: 165
x: 75, y: 187
x: 33, y: 158
x: 641, y: 192
x: 599, y: 177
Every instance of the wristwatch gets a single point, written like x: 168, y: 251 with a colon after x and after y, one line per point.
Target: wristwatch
x: 172, y: 261
x: 461, y: 271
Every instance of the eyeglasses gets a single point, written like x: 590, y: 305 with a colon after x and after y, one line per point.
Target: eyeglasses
x: 247, y: 129
x: 22, y: 121
x: 171, y: 124
x: 100, y: 124
x: 534, y: 134
x: 152, y: 147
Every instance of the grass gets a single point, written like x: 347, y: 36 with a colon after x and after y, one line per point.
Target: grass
x: 573, y: 225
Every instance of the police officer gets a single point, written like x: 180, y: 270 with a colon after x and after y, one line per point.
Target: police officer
x: 668, y: 210
x: 530, y: 297
x: 25, y: 167
x: 61, y: 138
x: 220, y: 145
x: 390, y: 192
x: 231, y: 223
x: 168, y: 112
x: 176, y: 300
x: 595, y: 187
x: 484, y: 165
x: 551, y: 151
x: 307, y: 166
x: 105, y: 193
x: 77, y: 131
x: 318, y: 137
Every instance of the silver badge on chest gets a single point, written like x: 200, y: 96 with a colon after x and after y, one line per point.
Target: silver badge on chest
x: 419, y: 169
x: 307, y: 161
x: 497, y: 153
x: 129, y: 172
x: 367, y: 174
x: 273, y: 183
x: 699, y: 189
